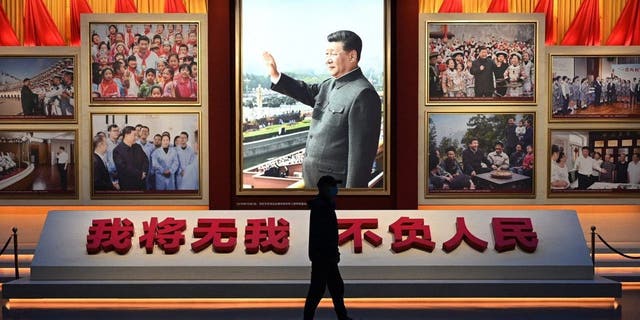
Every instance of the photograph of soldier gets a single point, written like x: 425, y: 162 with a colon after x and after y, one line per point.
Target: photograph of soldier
x: 468, y: 153
x: 144, y: 62
x: 495, y: 60
x: 315, y: 107
x: 38, y: 163
x: 595, y: 87
x: 595, y: 162
x: 40, y: 88
x: 145, y: 154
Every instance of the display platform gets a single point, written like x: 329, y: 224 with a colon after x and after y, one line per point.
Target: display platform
x: 235, y: 254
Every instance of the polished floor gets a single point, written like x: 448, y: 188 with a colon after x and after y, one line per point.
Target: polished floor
x: 611, y: 108
x: 44, y: 177
x: 629, y: 309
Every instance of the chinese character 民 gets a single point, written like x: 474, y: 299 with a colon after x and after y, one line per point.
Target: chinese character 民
x: 511, y: 231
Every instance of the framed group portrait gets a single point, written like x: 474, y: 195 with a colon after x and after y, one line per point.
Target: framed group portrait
x: 37, y: 164
x: 594, y: 84
x: 143, y: 59
x: 38, y: 86
x: 146, y: 155
x: 594, y: 163
x: 479, y: 155
x: 312, y: 101
x: 481, y: 59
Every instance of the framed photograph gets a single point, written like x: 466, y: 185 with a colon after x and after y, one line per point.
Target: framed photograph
x: 481, y: 58
x: 479, y: 154
x: 143, y: 59
x: 38, y: 86
x: 588, y: 163
x: 38, y: 164
x: 146, y: 155
x: 312, y: 101
x: 594, y: 84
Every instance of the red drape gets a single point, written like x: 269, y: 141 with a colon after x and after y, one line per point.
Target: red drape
x: 451, y: 6
x: 126, y: 6
x: 546, y: 7
x: 8, y: 35
x: 77, y: 7
x: 498, y: 6
x: 627, y: 29
x: 174, y: 6
x: 585, y: 27
x: 39, y: 28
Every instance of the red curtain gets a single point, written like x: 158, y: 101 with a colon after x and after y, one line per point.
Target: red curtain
x: 451, y: 6
x: 126, y: 6
x: 627, y: 29
x: 546, y: 7
x: 498, y: 6
x: 7, y: 36
x: 174, y: 6
x: 585, y: 28
x: 77, y: 7
x: 39, y: 28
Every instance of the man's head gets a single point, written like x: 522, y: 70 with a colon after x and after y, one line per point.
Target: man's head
x: 343, y: 52
x: 143, y: 44
x: 328, y: 186
x: 61, y: 148
x: 26, y: 82
x: 499, y: 147
x: 511, y: 121
x: 483, y: 53
x: 473, y: 144
x: 451, y: 153
x: 129, y: 135
x: 519, y: 147
x: 622, y: 157
x: 636, y: 157
x: 184, y: 137
x: 114, y: 132
x: 99, y: 145
x: 157, y: 140
x: 144, y: 133
x: 585, y: 151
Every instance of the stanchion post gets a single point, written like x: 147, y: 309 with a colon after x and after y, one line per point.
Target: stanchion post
x: 593, y: 246
x: 15, y: 251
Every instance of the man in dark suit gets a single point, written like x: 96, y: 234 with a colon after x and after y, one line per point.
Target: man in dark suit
x: 482, y: 70
x: 28, y: 98
x: 345, y: 126
x: 131, y: 162
x: 473, y: 158
x: 101, y: 178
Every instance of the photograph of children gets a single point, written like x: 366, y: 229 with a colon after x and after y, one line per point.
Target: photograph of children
x: 145, y: 154
x: 34, y: 164
x: 595, y: 87
x: 471, y: 153
x: 37, y: 88
x: 314, y: 106
x: 144, y: 62
x: 594, y: 162
x: 481, y: 62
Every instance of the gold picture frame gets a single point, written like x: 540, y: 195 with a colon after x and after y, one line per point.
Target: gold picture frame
x: 290, y: 184
x: 53, y: 75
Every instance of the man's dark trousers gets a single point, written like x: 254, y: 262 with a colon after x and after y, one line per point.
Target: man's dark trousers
x: 325, y: 273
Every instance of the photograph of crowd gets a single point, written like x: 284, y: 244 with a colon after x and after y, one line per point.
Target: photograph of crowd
x: 481, y: 62
x: 470, y: 153
x: 595, y: 87
x: 38, y: 88
x: 145, y: 154
x: 38, y: 163
x: 291, y: 130
x: 144, y: 62
x: 594, y: 162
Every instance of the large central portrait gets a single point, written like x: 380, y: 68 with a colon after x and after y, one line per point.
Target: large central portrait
x: 312, y: 96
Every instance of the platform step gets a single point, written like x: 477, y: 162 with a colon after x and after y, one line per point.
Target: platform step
x: 24, y: 260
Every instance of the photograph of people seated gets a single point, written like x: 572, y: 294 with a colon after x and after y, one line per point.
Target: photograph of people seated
x: 145, y: 154
x: 595, y: 162
x: 481, y: 62
x: 144, y: 62
x: 480, y: 153
x: 595, y: 87
x: 37, y: 163
x: 37, y: 88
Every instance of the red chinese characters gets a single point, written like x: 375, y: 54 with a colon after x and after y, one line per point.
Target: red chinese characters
x: 463, y: 233
x: 212, y: 232
x: 167, y: 234
x: 264, y: 235
x: 110, y: 234
x: 511, y: 231
x: 417, y: 235
x: 354, y: 232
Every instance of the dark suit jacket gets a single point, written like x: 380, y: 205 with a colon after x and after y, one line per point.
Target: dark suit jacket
x: 345, y: 127
x: 323, y: 231
x: 130, y: 162
x: 101, y: 179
